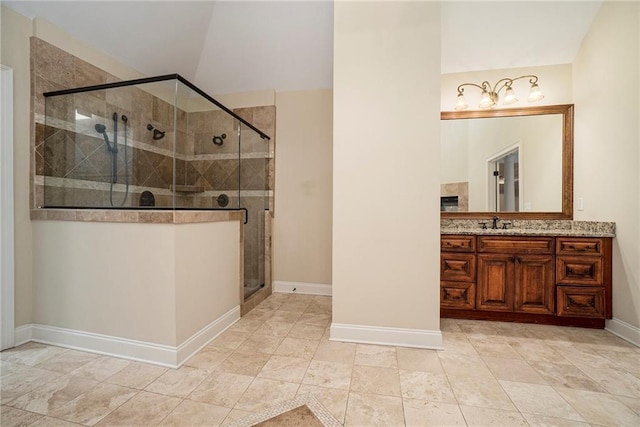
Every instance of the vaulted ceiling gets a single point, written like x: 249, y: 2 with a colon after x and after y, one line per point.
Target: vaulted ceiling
x: 239, y: 46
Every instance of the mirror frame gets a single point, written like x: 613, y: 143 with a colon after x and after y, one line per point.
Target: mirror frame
x: 567, y: 159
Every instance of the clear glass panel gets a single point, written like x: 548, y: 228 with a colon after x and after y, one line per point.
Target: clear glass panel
x: 254, y: 157
x: 110, y: 148
x: 155, y: 145
x: 207, y: 154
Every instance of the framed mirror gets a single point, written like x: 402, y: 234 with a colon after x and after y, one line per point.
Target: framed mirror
x: 516, y: 163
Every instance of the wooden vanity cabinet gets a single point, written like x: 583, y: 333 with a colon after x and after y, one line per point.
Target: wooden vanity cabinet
x: 583, y: 275
x: 458, y: 272
x: 518, y: 277
x: 537, y: 279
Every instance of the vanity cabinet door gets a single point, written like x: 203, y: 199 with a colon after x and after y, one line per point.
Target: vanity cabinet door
x: 534, y: 284
x: 495, y: 282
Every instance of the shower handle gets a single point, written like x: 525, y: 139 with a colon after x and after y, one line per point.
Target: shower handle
x: 114, y: 153
x: 115, y: 133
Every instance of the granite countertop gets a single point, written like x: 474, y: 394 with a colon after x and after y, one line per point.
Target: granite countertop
x: 531, y: 228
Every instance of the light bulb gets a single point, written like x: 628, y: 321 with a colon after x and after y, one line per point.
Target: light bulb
x: 461, y: 103
x: 535, y: 94
x: 486, y: 101
x: 509, y: 96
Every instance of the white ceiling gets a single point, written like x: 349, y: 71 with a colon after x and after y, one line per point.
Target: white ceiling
x: 479, y: 35
x: 238, y: 46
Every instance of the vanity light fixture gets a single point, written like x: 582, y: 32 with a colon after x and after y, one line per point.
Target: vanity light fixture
x: 490, y: 95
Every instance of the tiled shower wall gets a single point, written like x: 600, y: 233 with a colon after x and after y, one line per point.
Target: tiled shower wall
x: 80, y: 164
x: 460, y: 189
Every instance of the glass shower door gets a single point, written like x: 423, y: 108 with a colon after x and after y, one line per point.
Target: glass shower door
x: 254, y: 198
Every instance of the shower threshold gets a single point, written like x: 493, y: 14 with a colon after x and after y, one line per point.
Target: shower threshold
x: 251, y: 289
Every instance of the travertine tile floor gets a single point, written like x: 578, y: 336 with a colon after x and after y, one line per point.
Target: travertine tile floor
x: 489, y: 374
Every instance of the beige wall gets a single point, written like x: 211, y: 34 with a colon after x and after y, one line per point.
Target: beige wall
x: 106, y: 278
x: 207, y: 275
x: 303, y: 200
x: 256, y: 98
x: 157, y: 283
x: 16, y: 30
x: 386, y: 175
x: 606, y: 80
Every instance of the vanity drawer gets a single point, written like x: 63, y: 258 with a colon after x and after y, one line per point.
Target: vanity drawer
x: 458, y: 295
x: 458, y: 267
x: 516, y: 244
x: 456, y: 243
x: 580, y: 301
x: 584, y: 246
x: 579, y: 270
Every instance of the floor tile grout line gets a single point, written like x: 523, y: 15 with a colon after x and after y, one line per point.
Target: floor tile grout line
x: 446, y: 375
x: 504, y: 390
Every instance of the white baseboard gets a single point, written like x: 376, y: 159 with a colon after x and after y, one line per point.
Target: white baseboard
x: 302, y: 288
x: 21, y: 335
x: 624, y: 330
x: 205, y: 335
x: 417, y: 338
x: 157, y: 354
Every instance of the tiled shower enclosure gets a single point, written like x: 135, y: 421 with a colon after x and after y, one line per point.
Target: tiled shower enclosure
x: 156, y: 143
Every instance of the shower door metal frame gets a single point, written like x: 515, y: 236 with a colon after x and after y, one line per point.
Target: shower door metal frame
x: 156, y: 79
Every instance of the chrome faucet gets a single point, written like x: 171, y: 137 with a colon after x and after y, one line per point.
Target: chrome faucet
x: 495, y: 220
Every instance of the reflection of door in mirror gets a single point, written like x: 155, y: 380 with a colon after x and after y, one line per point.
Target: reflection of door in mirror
x: 504, y: 181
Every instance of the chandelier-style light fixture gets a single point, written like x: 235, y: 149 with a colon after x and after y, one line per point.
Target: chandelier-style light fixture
x: 490, y: 95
